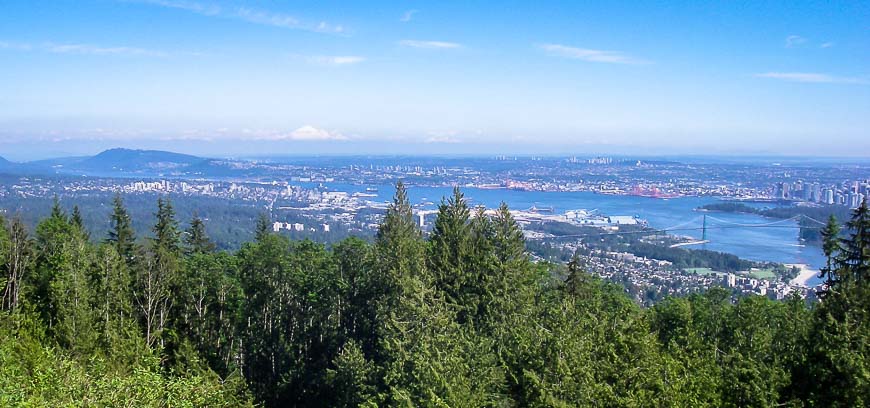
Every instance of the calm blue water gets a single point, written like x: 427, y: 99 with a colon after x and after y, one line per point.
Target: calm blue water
x: 777, y: 243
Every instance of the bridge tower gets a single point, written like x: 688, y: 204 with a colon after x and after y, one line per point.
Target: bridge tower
x: 704, y: 229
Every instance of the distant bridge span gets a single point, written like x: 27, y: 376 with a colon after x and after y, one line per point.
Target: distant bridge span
x: 703, y: 228
x: 681, y: 244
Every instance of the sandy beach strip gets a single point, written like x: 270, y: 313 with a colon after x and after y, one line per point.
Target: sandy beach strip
x: 805, y: 275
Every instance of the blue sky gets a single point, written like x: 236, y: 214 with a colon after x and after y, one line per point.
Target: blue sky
x: 275, y: 77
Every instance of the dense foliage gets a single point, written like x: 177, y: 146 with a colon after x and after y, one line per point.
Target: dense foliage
x: 228, y: 222
x: 459, y: 318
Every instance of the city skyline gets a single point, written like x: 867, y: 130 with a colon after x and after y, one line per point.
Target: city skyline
x: 248, y: 78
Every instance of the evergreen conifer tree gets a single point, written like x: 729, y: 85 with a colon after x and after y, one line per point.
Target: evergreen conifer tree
x: 450, y: 248
x: 72, y: 296
x: 77, y: 217
x: 831, y: 248
x: 57, y: 212
x: 841, y: 331
x: 121, y: 233
x: 399, y: 244
x: 55, y: 237
x: 263, y: 228
x: 856, y: 248
x: 510, y: 245
x: 166, y: 233
x: 196, y: 239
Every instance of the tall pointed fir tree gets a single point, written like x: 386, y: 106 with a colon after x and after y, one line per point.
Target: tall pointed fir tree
x: 856, y: 248
x: 56, y: 211
x: 121, y: 233
x: 196, y: 240
x: 421, y: 338
x: 72, y: 295
x: 356, y: 270
x: 399, y: 242
x: 512, y: 284
x: 841, y: 333
x: 400, y: 270
x: 831, y: 248
x: 54, y: 235
x: 166, y: 233
x: 115, y: 305
x: 78, y: 221
x: 156, y: 275
x: 450, y: 249
x: 509, y: 242
x: 399, y: 276
x: 482, y: 265
x: 850, y: 285
x: 263, y: 227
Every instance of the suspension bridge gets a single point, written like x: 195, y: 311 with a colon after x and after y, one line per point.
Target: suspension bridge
x: 707, y: 223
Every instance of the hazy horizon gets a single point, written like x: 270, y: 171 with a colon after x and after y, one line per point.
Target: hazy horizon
x: 409, y: 151
x: 245, y: 78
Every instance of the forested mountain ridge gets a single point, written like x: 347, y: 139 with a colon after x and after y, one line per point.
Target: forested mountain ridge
x: 119, y: 159
x: 462, y: 318
x: 116, y: 161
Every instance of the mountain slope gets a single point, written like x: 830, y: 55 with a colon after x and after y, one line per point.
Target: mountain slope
x: 128, y: 160
x: 9, y: 167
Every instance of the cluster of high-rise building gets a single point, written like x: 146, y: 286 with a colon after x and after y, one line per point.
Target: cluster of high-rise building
x: 849, y: 193
x: 143, y: 186
x: 600, y: 160
x: 166, y: 186
x: 298, y: 227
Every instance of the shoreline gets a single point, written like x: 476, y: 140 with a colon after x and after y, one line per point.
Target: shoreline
x: 805, y: 275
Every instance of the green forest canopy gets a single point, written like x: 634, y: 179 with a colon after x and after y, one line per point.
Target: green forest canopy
x: 460, y: 319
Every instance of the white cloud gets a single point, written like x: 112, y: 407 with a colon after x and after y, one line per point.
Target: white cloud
x: 810, y: 77
x: 442, y: 137
x: 336, y: 60
x: 4, y: 45
x: 246, y: 14
x: 88, y: 49
x: 304, y: 133
x: 187, y: 138
x: 794, y: 40
x: 284, y: 21
x: 430, y: 44
x: 260, y: 17
x: 586, y: 54
x: 84, y: 49
x: 311, y: 133
x: 826, y: 45
x: 407, y: 16
x: 200, y: 8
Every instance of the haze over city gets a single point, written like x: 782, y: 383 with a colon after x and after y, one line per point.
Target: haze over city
x: 234, y: 78
x: 570, y: 203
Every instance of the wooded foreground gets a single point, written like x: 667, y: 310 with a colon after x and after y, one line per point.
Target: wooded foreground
x: 461, y: 318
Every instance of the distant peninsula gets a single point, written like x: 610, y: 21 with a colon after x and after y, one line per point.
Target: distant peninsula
x: 809, y: 231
